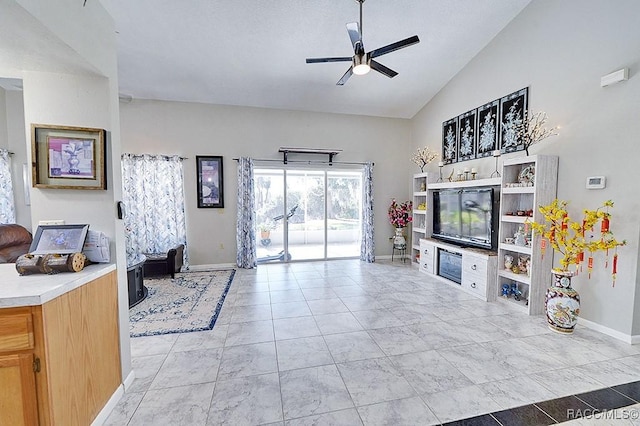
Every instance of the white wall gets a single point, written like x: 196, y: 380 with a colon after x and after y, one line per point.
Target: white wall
x: 190, y: 129
x: 560, y: 49
x: 66, y: 56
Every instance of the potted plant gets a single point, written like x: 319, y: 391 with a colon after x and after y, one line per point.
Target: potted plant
x: 265, y: 230
x: 573, y: 240
x: 400, y: 217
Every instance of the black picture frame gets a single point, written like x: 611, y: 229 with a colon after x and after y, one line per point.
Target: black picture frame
x: 467, y: 135
x: 209, y: 181
x: 487, y: 133
x: 513, y: 109
x: 59, y: 239
x: 450, y: 141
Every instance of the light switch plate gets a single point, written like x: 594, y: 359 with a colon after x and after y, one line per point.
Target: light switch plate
x: 596, y: 182
x: 51, y: 222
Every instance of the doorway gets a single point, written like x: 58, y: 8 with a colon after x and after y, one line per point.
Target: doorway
x: 308, y: 214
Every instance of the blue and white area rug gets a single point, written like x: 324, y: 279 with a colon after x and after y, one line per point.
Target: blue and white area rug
x: 189, y: 302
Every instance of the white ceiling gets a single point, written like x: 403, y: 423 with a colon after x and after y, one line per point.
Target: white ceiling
x: 252, y: 52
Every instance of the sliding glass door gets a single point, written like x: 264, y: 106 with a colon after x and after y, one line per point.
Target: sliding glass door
x: 308, y: 214
x: 344, y: 213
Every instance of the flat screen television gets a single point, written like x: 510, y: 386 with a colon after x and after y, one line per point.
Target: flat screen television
x: 465, y: 217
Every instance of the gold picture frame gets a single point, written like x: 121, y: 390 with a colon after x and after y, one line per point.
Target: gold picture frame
x: 65, y: 157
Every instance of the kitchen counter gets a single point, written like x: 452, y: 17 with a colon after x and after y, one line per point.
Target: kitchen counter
x: 36, y: 289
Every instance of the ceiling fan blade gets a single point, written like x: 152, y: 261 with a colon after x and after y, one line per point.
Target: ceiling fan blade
x: 337, y: 59
x: 394, y: 46
x: 356, y: 39
x: 345, y: 77
x: 382, y: 69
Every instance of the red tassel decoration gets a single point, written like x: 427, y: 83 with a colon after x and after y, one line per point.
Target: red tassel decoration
x: 543, y: 246
x: 580, y: 259
x: 615, y: 269
x: 604, y: 227
x: 590, y: 265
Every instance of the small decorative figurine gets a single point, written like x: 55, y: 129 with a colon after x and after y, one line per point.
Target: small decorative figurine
x: 523, y: 264
x: 508, y: 261
x: 515, y: 292
x: 505, y: 290
x: 519, y: 238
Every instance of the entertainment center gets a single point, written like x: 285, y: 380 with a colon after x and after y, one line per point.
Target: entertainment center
x: 474, y: 234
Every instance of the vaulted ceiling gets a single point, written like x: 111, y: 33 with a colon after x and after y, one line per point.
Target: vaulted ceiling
x: 252, y: 52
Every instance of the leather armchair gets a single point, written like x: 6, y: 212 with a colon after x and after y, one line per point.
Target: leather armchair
x: 15, y: 241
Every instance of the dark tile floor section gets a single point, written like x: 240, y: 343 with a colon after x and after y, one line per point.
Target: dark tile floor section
x: 632, y: 390
x: 561, y: 409
x: 605, y: 399
x: 528, y: 415
x: 486, y: 420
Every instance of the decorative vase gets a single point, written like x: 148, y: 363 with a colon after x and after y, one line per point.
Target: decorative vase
x: 399, y: 240
x: 73, y: 164
x: 562, y: 303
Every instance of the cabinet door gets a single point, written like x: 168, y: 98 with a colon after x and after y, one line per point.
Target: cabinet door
x: 427, y: 257
x: 474, y: 274
x: 18, y: 404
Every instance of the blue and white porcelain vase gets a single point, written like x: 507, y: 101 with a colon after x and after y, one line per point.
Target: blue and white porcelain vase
x: 562, y: 303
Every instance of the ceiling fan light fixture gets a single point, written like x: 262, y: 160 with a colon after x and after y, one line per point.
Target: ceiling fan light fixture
x: 360, y: 66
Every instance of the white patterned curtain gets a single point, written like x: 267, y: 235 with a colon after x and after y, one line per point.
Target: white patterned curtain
x: 367, y: 247
x: 246, y: 226
x: 7, y: 207
x: 153, y: 194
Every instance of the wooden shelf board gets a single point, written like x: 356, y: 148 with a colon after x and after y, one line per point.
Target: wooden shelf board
x: 519, y: 190
x: 525, y: 279
x: 515, y: 219
x: 509, y: 301
x: 517, y: 249
x: 467, y: 183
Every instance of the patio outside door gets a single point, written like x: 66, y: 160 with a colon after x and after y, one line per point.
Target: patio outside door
x: 310, y: 214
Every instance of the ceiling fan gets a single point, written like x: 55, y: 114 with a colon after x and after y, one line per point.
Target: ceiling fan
x: 361, y: 62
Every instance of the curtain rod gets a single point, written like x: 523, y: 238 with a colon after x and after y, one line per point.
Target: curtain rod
x: 309, y: 161
x: 161, y: 155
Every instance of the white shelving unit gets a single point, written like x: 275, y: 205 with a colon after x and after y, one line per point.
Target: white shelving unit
x: 419, y: 224
x: 518, y: 207
x: 478, y: 266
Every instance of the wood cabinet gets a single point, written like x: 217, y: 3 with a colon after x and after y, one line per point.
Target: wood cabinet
x: 528, y: 182
x: 17, y: 376
x: 60, y: 361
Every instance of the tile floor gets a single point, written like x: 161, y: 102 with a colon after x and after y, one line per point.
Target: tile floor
x: 350, y: 343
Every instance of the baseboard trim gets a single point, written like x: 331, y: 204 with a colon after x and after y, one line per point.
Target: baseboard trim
x: 102, y: 416
x: 632, y: 340
x: 211, y: 266
x: 129, y: 380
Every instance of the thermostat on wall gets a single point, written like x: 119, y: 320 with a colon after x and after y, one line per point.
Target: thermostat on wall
x: 596, y: 182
